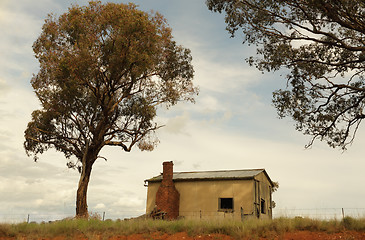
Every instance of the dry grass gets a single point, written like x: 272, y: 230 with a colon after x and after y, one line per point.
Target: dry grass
x: 254, y: 227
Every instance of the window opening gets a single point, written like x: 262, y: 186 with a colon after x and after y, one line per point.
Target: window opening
x: 263, y: 206
x: 226, y: 204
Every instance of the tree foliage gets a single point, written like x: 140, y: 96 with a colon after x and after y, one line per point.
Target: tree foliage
x: 322, y: 45
x: 104, y: 70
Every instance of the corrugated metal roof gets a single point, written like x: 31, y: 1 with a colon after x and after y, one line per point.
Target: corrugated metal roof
x: 211, y: 175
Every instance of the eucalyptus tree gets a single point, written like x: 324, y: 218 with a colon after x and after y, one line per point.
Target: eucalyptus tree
x: 321, y: 44
x: 104, y: 71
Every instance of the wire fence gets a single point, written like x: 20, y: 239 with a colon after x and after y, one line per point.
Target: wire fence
x: 321, y: 213
x: 315, y: 213
x: 50, y: 217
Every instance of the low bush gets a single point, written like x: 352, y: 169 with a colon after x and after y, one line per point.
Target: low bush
x: 353, y: 224
x: 237, y: 229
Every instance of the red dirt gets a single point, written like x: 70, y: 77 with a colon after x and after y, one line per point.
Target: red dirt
x: 298, y: 235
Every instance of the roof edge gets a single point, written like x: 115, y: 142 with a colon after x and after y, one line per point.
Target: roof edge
x: 202, y: 179
x: 159, y: 177
x: 267, y: 175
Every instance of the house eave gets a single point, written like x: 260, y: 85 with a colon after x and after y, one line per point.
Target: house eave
x: 201, y: 179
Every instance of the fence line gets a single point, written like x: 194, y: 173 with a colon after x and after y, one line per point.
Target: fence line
x: 321, y: 213
x: 315, y: 213
x: 49, y: 217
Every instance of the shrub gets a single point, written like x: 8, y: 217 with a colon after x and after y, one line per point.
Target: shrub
x: 253, y: 228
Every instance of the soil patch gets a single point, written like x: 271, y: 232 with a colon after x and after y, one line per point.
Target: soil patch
x: 297, y: 235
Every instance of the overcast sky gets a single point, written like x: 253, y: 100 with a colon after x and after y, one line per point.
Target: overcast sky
x: 232, y: 126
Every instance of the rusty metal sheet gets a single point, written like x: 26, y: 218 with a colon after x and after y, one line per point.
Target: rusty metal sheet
x: 211, y: 175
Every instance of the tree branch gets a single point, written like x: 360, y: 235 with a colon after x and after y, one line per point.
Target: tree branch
x: 117, y: 143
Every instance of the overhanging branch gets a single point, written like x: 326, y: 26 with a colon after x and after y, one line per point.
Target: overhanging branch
x: 119, y: 144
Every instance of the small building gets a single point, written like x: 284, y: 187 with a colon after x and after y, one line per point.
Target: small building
x: 236, y: 194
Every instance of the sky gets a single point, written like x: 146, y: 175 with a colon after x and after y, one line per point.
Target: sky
x: 232, y: 125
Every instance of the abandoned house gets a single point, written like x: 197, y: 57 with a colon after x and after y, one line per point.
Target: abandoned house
x: 234, y: 194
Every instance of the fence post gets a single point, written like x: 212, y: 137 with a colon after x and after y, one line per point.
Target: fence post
x: 103, y: 215
x: 28, y: 219
x: 343, y: 214
x: 242, y: 214
x: 200, y: 214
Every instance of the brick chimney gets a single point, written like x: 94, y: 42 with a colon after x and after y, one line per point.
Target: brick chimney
x: 167, y: 197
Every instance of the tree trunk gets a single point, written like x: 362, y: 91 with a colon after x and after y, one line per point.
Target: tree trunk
x: 81, y: 201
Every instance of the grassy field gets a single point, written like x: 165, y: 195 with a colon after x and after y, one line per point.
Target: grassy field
x: 259, y: 228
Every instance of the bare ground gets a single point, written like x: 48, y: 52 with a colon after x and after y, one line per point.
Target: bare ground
x: 297, y: 235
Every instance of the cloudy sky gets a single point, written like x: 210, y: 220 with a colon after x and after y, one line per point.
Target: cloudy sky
x: 232, y: 126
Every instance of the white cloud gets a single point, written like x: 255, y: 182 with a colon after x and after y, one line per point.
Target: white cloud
x: 177, y: 124
x: 230, y: 127
x: 39, y: 202
x: 15, y: 109
x: 223, y: 76
x: 99, y: 206
x: 210, y: 104
x: 227, y: 116
x: 129, y: 202
x: 20, y: 30
x: 4, y: 87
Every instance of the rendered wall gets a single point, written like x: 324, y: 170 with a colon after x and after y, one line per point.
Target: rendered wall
x: 200, y: 199
x: 151, y: 196
x: 264, y: 193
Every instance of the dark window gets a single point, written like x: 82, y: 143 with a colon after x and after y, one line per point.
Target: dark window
x: 263, y: 206
x: 226, y: 204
